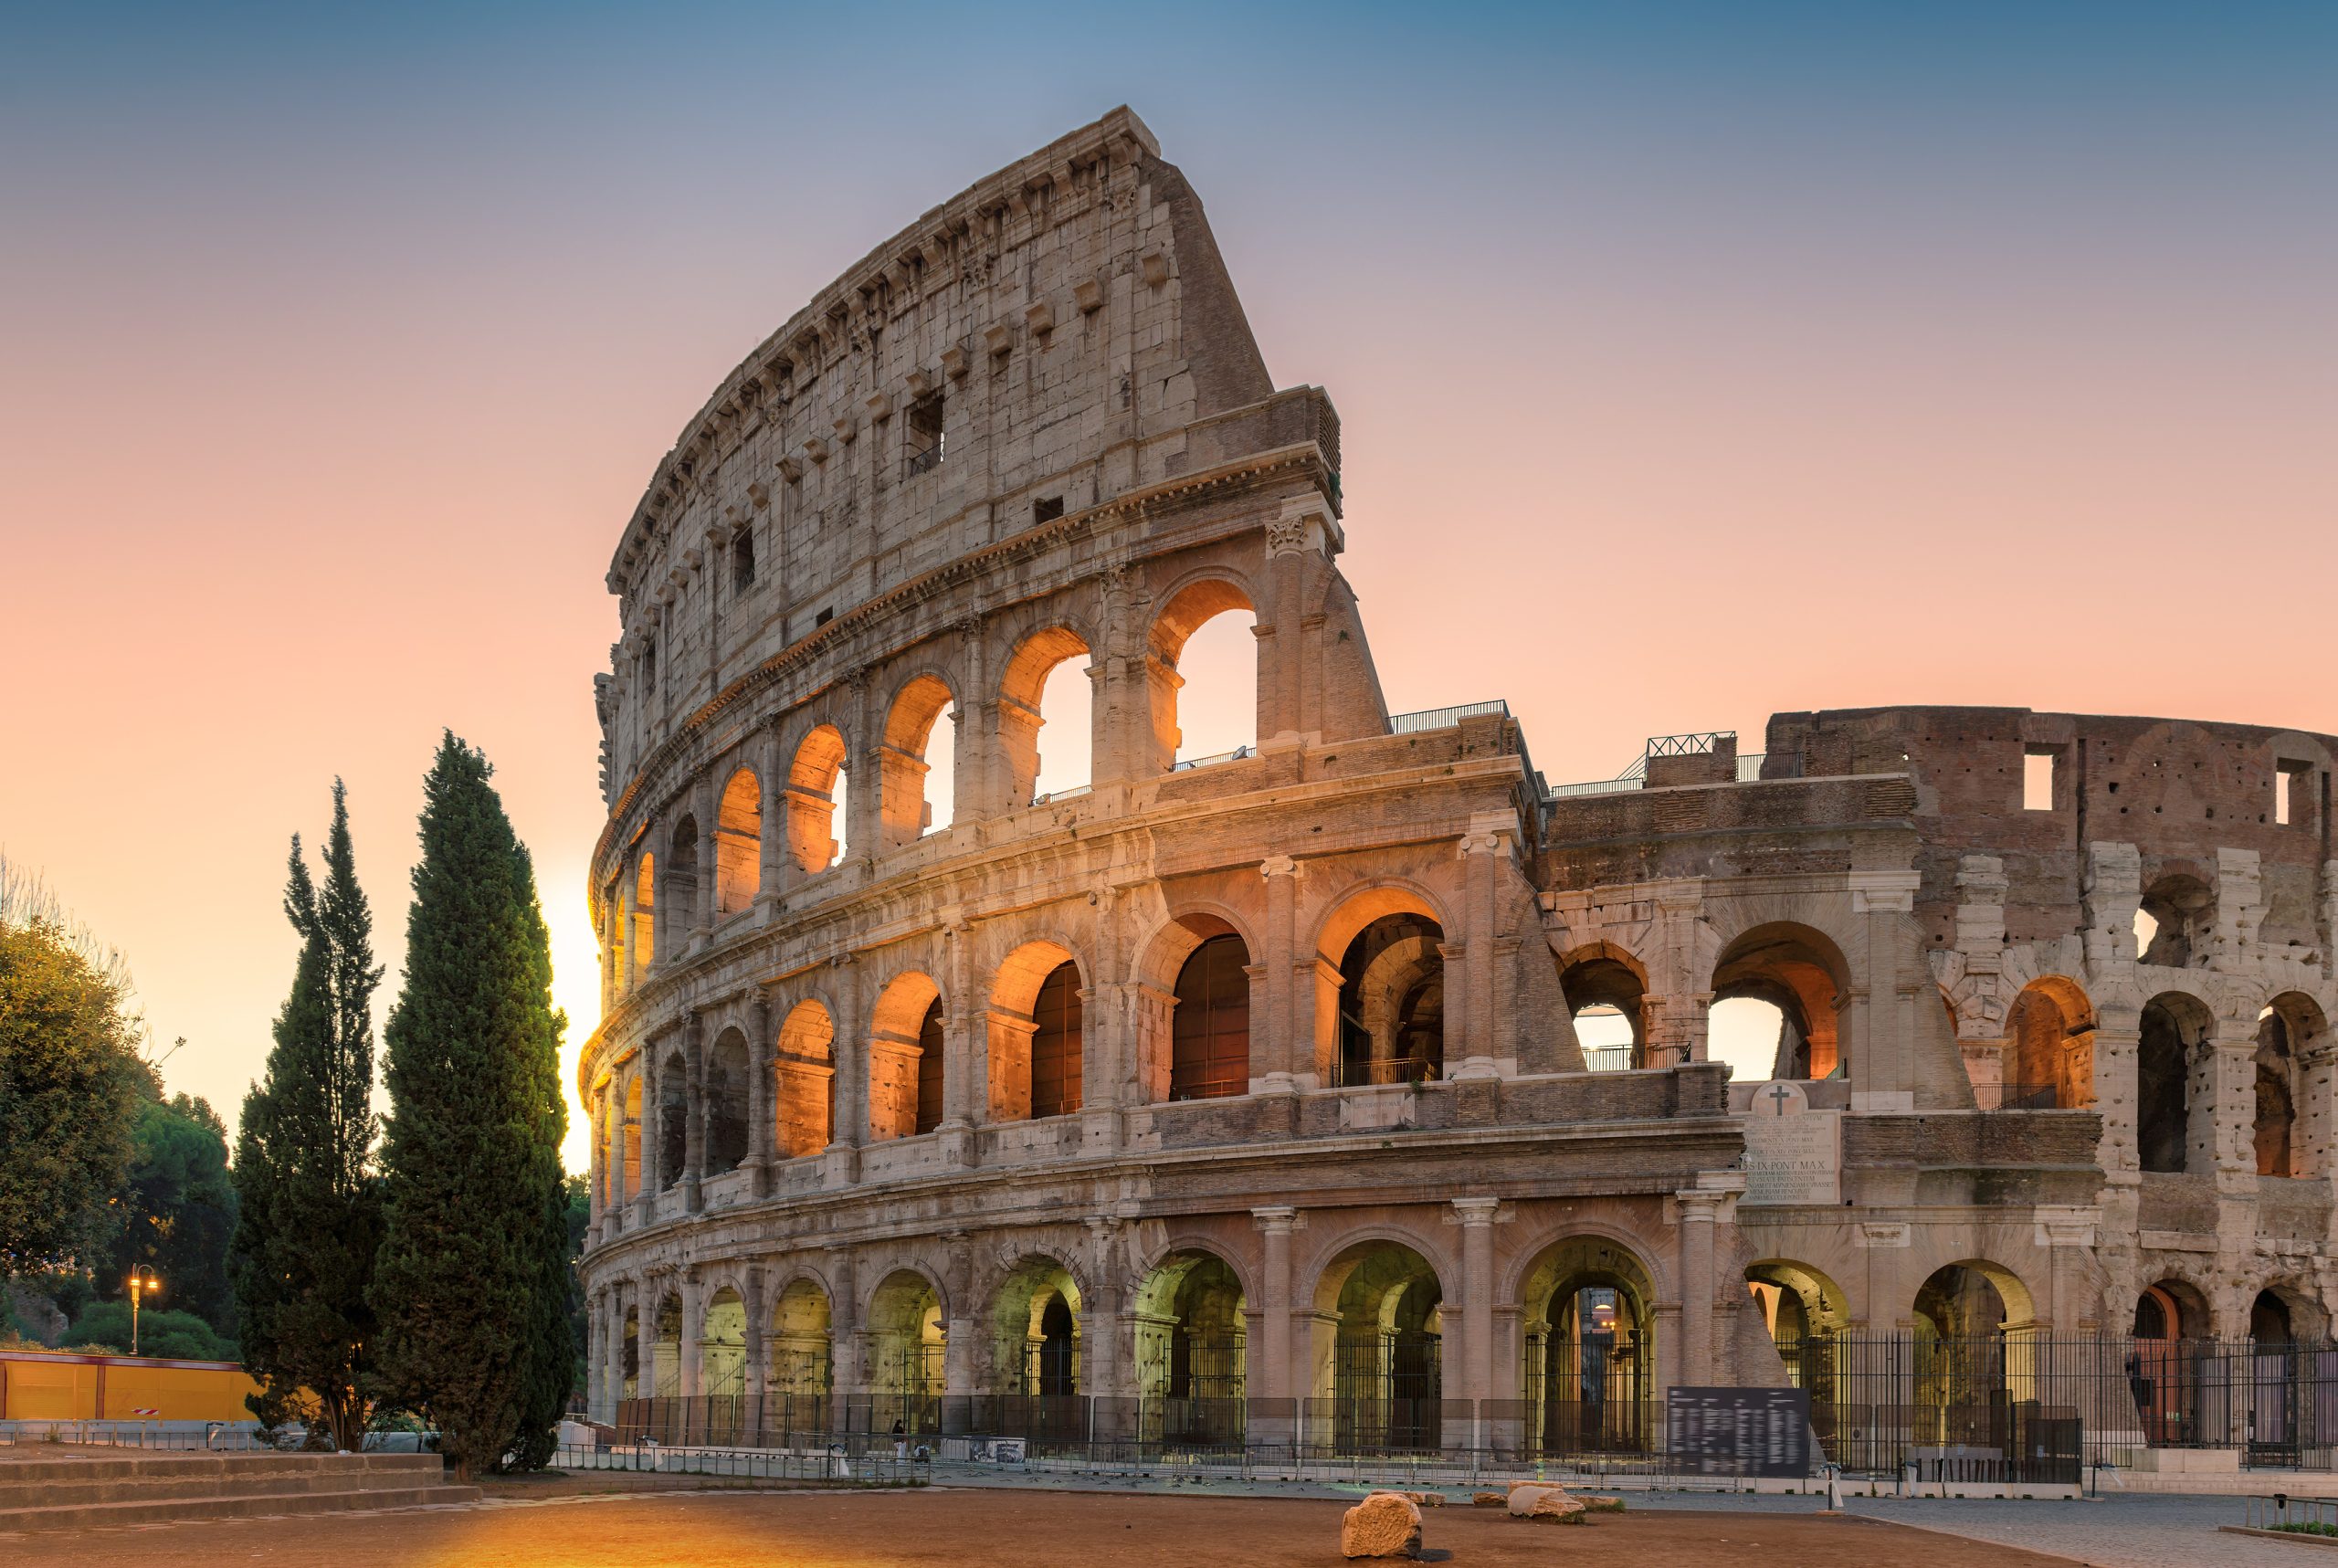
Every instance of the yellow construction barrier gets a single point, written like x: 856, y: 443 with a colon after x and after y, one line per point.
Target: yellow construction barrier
x: 38, y: 1385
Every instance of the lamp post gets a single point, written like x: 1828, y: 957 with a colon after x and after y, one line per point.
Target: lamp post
x: 142, y: 1283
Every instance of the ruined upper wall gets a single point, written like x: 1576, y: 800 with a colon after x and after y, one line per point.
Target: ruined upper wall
x: 2179, y: 791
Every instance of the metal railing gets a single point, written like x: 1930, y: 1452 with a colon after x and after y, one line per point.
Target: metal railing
x: 1349, y: 1074
x: 2291, y: 1515
x: 1608, y: 1058
x: 1210, y: 1088
x: 1073, y: 792
x: 2016, y: 1097
x: 1443, y: 718
x: 1236, y: 755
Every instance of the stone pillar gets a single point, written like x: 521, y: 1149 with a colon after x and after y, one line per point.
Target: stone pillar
x: 596, y: 1169
x: 1101, y: 1352
x: 1289, y: 1060
x: 964, y: 1042
x: 613, y: 1349
x: 2228, y: 1108
x: 2117, y: 1036
x: 1275, y: 1326
x: 596, y: 1350
x: 774, y: 863
x: 849, y: 1128
x: 693, y: 1347
x: 693, y: 1112
x: 762, y: 1086
x: 709, y: 880
x: 1485, y: 851
x: 613, y: 1215
x: 758, y: 1346
x: 1476, y: 1219
x: 646, y: 1199
x: 1697, y: 1214
x: 848, y: 1372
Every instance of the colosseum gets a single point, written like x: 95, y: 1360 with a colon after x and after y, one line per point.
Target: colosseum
x: 1359, y: 1085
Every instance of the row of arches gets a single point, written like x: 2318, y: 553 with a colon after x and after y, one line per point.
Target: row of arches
x: 1777, y: 997
x: 692, y: 872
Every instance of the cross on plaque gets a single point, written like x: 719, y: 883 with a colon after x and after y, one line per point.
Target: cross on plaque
x: 1779, y: 1095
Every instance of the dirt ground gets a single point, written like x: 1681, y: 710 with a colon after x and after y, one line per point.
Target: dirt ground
x: 939, y: 1525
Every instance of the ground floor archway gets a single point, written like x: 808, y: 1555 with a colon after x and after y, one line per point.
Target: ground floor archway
x: 1587, y: 1371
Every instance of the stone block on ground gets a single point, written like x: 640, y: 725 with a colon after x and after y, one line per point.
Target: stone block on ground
x: 1490, y: 1499
x: 1543, y: 1503
x: 1603, y: 1504
x: 1385, y: 1524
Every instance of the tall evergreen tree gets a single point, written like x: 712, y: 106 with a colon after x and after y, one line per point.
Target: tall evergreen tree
x: 472, y: 1287
x: 310, y: 1216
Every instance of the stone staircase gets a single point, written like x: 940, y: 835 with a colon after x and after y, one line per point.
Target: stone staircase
x: 95, y: 1490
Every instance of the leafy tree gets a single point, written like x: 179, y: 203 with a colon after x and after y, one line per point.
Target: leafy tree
x: 70, y: 1079
x: 178, y: 1211
x: 173, y: 1335
x: 472, y: 1284
x: 310, y: 1222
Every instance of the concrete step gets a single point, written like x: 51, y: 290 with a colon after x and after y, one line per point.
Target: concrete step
x: 172, y: 1511
x: 157, y: 1488
x: 34, y: 1483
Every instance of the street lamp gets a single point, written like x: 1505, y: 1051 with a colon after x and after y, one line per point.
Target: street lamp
x: 142, y: 1283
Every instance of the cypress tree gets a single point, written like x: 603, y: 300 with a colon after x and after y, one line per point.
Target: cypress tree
x: 309, y: 1215
x: 472, y: 1287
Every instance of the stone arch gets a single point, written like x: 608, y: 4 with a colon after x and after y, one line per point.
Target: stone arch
x: 1021, y: 689
x: 814, y: 780
x: 2172, y: 1308
x: 806, y: 1097
x: 1380, y: 986
x: 1798, y: 970
x: 1035, y: 1324
x: 673, y: 1122
x: 2289, y: 1031
x: 1971, y: 1352
x: 905, y: 812
x: 625, y: 1140
x: 1185, y: 608
x: 907, y: 1336
x: 800, y: 1344
x: 1036, y: 1027
x: 644, y: 935
x: 1378, y: 1350
x: 666, y: 1346
x: 905, y: 1063
x: 2048, y: 1059
x: 682, y: 881
x: 2174, y: 1115
x: 722, y: 1344
x: 1190, y: 1346
x: 629, y: 1368
x: 1208, y: 1055
x: 1798, y: 1300
x: 2285, y: 1310
x: 728, y: 1092
x: 1587, y: 1368
x: 1606, y: 989
x: 738, y: 843
x: 2175, y: 921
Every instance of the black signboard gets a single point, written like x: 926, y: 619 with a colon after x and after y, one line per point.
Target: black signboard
x: 1738, y: 1431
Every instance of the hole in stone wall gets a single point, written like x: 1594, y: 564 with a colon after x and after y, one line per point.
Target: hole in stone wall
x: 1743, y: 1032
x: 2040, y: 768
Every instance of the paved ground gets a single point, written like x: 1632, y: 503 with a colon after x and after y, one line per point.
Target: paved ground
x: 947, y: 1526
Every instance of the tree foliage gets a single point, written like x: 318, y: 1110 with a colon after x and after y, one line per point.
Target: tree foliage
x: 310, y: 1221
x: 70, y: 1083
x: 162, y: 1331
x: 178, y: 1210
x: 471, y: 1288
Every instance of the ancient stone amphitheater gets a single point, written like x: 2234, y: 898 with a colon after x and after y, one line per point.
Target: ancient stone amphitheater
x: 1360, y: 1076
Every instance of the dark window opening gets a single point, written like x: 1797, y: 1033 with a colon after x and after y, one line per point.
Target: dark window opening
x: 649, y: 663
x: 1046, y: 510
x: 824, y: 617
x: 929, y: 1069
x: 924, y: 439
x: 742, y: 562
x: 1209, y: 1054
x: 1055, y: 1044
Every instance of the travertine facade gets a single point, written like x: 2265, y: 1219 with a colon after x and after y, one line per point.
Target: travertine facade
x: 1261, y: 1076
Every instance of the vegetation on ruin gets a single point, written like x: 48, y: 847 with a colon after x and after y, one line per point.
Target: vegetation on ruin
x: 472, y: 1286
x: 310, y: 1216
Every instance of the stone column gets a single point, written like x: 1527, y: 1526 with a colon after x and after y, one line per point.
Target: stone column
x: 1275, y: 1327
x: 645, y: 1200
x: 1697, y: 1216
x: 1289, y: 1060
x: 2229, y: 1066
x: 1484, y: 850
x: 849, y: 1049
x: 848, y: 1372
x: 708, y: 881
x: 762, y: 1084
x: 964, y: 1042
x: 612, y: 1214
x: 693, y: 1346
x: 2117, y: 1036
x: 774, y: 863
x: 613, y: 1351
x: 693, y: 1112
x: 596, y: 1169
x: 1476, y: 1219
x: 758, y: 1346
x: 596, y: 1350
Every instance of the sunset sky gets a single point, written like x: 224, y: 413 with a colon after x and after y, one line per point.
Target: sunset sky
x: 1694, y: 363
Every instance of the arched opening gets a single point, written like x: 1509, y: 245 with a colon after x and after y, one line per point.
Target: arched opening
x: 681, y: 877
x: 1970, y: 1352
x: 802, y: 1355
x: 2287, y: 1030
x: 644, y: 919
x: 1604, y: 998
x: 2171, y: 1310
x: 1392, y: 1001
x: 627, y: 1134
x: 1205, y: 632
x: 1209, y: 1031
x: 912, y: 804
x: 806, y: 1090
x: 722, y: 1347
x: 1036, y: 1321
x: 738, y: 845
x: 1382, y: 1307
x: 2049, y: 1048
x: 1588, y: 1371
x: 1047, y: 681
x: 1191, y: 1352
x: 2172, y: 1044
x: 903, y: 1058
x: 1036, y: 1054
x: 2163, y: 1363
x: 726, y: 1102
x: 666, y: 1350
x: 629, y: 1367
x: 932, y: 1070
x: 673, y: 1119
x: 907, y: 1343
x: 2173, y: 926
x: 2269, y: 1320
x: 816, y: 800
x: 1796, y: 976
